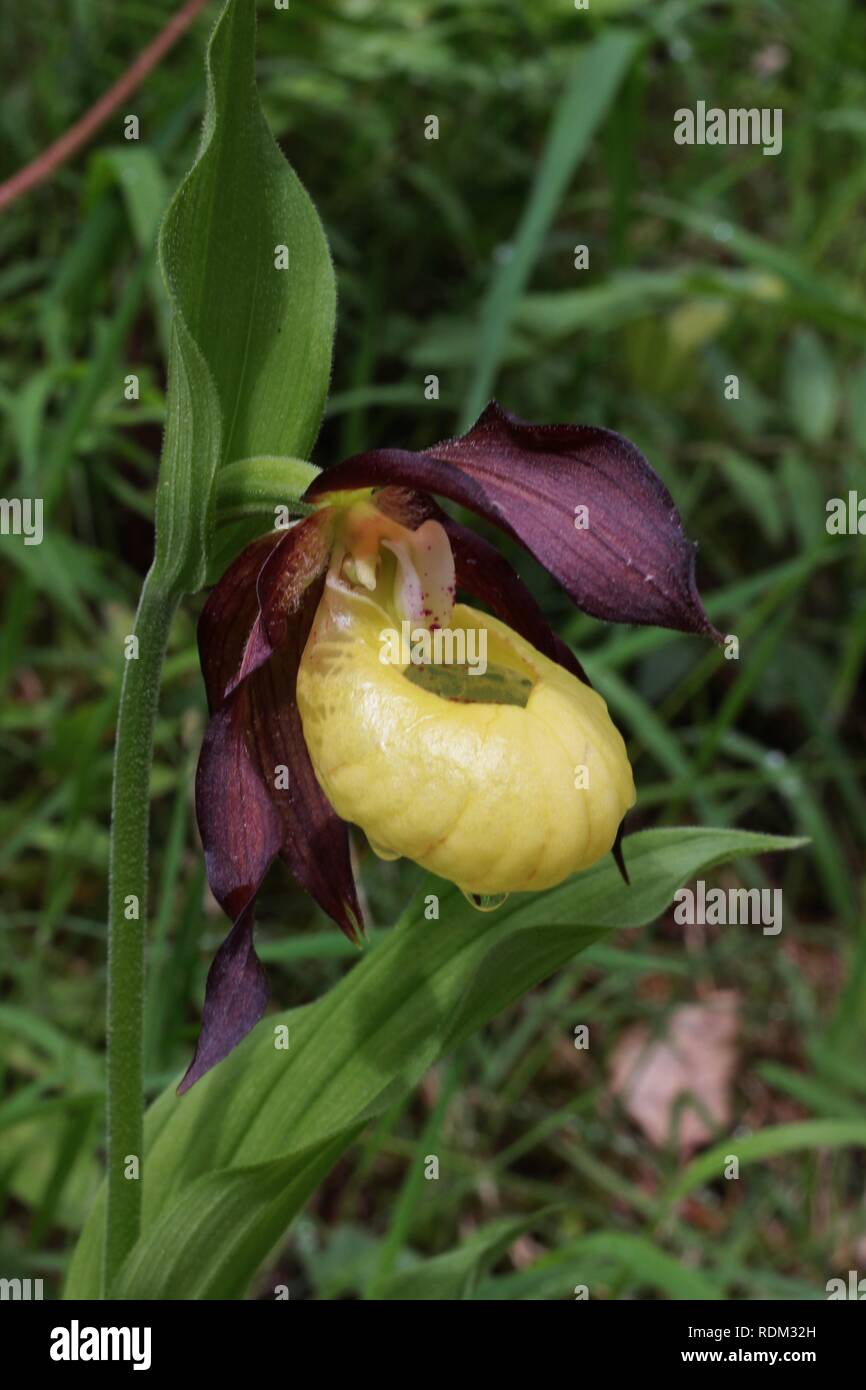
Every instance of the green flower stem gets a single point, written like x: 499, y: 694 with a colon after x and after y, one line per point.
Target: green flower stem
x: 127, y: 894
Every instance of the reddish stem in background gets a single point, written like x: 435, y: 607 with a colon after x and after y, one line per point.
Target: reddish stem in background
x: 79, y: 133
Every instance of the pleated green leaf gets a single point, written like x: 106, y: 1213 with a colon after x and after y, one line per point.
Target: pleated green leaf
x: 228, y: 1165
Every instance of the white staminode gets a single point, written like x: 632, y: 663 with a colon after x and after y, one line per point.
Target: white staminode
x: 426, y: 583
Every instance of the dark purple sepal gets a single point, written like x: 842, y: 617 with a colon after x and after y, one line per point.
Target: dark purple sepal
x: 246, y: 816
x: 313, y: 840
x: 631, y: 564
x: 235, y: 999
x: 227, y: 619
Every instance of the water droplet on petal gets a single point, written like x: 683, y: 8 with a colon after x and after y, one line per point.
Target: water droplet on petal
x: 484, y: 902
x: 387, y: 854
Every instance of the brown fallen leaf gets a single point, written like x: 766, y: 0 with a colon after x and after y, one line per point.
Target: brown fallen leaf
x: 659, y: 1079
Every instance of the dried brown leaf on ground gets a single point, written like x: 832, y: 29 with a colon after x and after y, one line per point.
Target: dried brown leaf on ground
x: 677, y: 1087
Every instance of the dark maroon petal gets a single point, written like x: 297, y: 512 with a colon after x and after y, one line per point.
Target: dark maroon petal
x: 228, y: 616
x: 408, y: 507
x: 235, y: 999
x: 632, y: 564
x: 239, y: 828
x: 256, y: 792
x: 314, y: 841
x: 284, y: 578
x: 241, y: 836
x: 243, y: 618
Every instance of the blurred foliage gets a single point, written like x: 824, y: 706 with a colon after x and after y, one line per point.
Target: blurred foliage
x: 704, y: 261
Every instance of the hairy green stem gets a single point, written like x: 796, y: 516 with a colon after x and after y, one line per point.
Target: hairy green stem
x: 127, y: 895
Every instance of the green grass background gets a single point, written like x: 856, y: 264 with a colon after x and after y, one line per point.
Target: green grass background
x: 455, y: 257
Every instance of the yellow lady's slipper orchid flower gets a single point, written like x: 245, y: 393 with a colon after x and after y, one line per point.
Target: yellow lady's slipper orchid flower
x: 497, y: 797
x: 347, y: 684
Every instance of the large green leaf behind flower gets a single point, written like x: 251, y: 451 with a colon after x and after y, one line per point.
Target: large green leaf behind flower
x: 247, y: 266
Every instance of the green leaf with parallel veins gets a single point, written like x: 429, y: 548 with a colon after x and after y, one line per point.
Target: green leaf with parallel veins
x: 593, y: 1258
x: 228, y: 1165
x: 247, y: 266
x: 456, y: 1274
